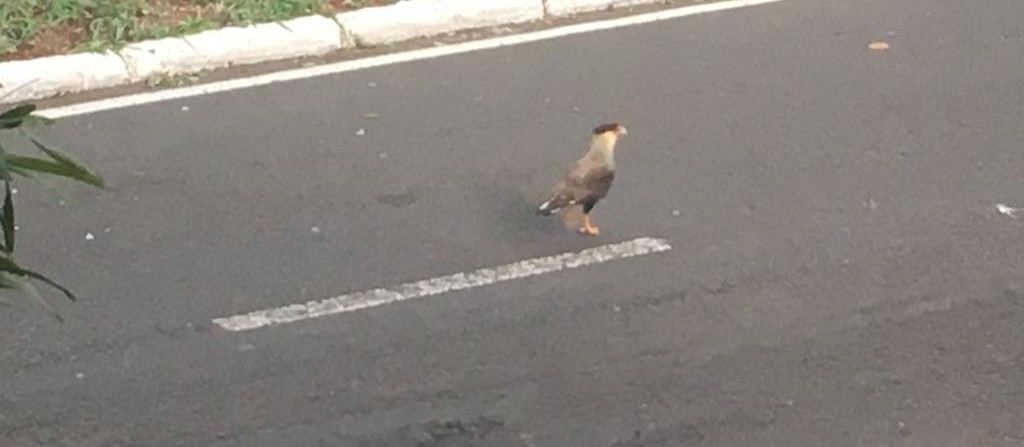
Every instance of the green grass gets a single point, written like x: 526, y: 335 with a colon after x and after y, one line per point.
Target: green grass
x: 257, y: 11
x: 32, y: 28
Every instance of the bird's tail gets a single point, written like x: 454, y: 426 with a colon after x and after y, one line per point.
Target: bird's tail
x: 547, y: 208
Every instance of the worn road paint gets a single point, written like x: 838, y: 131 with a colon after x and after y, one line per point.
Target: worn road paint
x: 440, y: 285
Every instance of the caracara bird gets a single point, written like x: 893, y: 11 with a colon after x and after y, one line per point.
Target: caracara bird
x: 589, y: 179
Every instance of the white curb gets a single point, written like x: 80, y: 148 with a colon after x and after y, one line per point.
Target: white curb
x: 560, y: 8
x: 55, y: 75
x: 168, y: 56
x: 307, y: 36
x: 411, y: 19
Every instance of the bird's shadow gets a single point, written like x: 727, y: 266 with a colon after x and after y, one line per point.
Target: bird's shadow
x: 504, y: 204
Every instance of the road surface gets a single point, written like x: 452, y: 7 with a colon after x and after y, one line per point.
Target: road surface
x: 839, y: 273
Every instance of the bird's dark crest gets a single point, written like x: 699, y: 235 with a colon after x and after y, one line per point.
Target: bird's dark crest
x: 605, y: 128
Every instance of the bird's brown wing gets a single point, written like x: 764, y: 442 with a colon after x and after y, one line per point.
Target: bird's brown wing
x: 597, y: 183
x: 586, y: 182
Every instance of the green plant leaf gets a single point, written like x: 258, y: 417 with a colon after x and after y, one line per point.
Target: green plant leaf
x: 7, y: 219
x: 35, y: 168
x: 20, y: 163
x: 20, y: 171
x: 14, y: 117
x: 26, y: 287
x: 36, y: 120
x: 73, y: 169
x: 5, y: 173
x: 40, y: 177
x: 8, y: 265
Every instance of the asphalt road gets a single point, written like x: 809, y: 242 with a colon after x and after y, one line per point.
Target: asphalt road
x: 839, y: 273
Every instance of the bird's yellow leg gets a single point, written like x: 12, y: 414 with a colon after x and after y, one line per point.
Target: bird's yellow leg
x: 588, y: 228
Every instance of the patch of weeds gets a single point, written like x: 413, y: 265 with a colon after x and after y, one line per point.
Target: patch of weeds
x: 64, y: 10
x: 169, y: 80
x: 34, y: 28
x: 192, y: 25
x: 19, y: 21
x: 112, y: 23
x: 247, y: 12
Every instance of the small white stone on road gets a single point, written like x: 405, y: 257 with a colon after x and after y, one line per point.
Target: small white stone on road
x: 89, y: 236
x: 360, y: 132
x: 79, y: 375
x: 372, y: 85
x: 315, y: 229
x: 1007, y: 210
x: 184, y: 108
x: 879, y: 45
x: 675, y: 212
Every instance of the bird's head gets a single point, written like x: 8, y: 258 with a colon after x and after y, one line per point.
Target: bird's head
x: 610, y: 128
x: 606, y: 135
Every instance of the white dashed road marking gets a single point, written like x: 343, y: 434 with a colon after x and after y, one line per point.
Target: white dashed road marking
x: 440, y: 285
x: 389, y: 59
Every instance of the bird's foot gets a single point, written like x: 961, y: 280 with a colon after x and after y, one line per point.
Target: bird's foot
x: 590, y: 230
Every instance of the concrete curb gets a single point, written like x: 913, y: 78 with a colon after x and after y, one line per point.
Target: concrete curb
x: 306, y: 36
x: 55, y: 75
x: 559, y: 8
x: 419, y: 18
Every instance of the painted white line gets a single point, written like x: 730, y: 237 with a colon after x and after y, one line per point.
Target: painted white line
x: 443, y: 284
x: 389, y: 59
